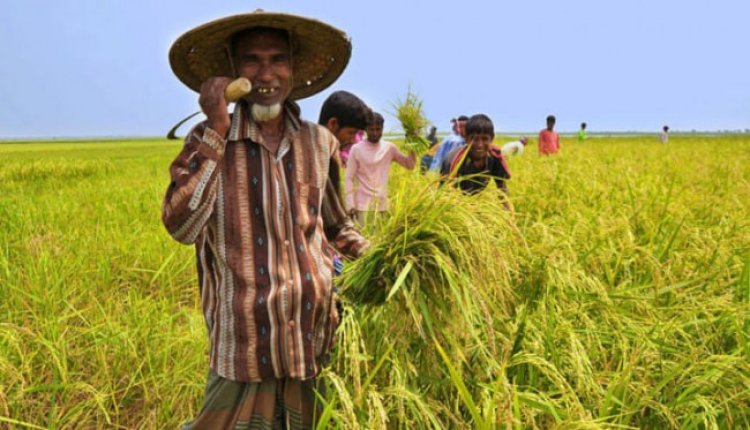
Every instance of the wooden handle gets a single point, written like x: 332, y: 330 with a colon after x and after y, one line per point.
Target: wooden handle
x: 237, y: 89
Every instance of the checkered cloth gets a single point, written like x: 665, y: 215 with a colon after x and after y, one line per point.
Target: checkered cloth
x: 273, y: 404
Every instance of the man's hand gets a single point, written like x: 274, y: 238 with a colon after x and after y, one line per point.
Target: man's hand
x: 214, y: 105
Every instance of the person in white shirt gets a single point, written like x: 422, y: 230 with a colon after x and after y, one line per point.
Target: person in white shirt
x: 664, y: 137
x: 515, y: 147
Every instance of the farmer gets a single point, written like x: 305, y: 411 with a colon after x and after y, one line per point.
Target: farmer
x: 455, y: 140
x: 344, y: 115
x: 475, y: 163
x: 549, y: 141
x: 664, y: 136
x: 582, y: 133
x: 515, y: 148
x: 251, y: 191
x: 370, y: 164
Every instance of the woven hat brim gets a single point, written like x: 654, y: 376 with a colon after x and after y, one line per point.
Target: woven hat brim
x: 320, y: 51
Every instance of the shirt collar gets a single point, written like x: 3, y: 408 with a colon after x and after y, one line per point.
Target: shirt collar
x: 242, y: 127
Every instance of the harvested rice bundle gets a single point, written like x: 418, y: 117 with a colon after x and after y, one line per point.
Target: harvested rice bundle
x: 428, y: 245
x: 409, y: 113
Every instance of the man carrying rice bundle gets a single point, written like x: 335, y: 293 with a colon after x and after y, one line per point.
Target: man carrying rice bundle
x: 366, y: 180
x: 251, y: 191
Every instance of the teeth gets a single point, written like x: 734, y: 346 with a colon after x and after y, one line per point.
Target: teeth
x: 266, y: 90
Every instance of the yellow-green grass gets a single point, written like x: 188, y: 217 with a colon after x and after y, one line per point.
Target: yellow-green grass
x: 615, y: 296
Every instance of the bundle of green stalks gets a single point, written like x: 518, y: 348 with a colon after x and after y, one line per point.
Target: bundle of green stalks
x: 418, y: 283
x: 423, y: 262
x: 431, y: 237
x: 409, y: 113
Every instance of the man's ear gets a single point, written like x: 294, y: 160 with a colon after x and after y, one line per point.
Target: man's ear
x: 332, y: 125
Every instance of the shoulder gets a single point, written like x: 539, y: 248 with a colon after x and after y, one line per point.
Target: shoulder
x: 495, y: 152
x: 355, y: 149
x: 319, y: 136
x: 452, y: 154
x: 500, y: 166
x: 311, y: 127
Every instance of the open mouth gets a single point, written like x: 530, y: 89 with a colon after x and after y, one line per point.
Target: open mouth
x: 266, y: 91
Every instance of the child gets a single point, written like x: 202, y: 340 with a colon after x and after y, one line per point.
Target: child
x: 479, y: 159
x: 369, y: 163
x: 549, y: 141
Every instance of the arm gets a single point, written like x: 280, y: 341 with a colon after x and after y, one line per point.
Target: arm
x: 500, y: 172
x: 351, y: 172
x: 445, y: 167
x: 190, y: 198
x: 542, y: 143
x: 339, y: 228
x: 407, y: 161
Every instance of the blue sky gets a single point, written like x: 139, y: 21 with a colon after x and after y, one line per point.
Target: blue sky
x: 99, y: 67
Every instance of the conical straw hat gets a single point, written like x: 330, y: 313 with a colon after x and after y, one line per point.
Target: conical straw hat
x: 320, y: 52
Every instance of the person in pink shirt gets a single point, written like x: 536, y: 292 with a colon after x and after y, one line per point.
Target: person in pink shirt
x: 549, y: 141
x: 366, y: 180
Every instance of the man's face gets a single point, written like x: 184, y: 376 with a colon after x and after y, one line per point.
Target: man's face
x: 461, y: 128
x: 374, y: 132
x: 345, y: 135
x: 264, y: 59
x: 550, y: 124
x: 480, y: 144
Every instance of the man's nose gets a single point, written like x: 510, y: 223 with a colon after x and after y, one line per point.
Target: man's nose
x: 265, y: 72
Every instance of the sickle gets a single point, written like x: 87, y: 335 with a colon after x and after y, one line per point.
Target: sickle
x: 234, y: 91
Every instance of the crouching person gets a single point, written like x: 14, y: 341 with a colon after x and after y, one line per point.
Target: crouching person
x: 473, y: 165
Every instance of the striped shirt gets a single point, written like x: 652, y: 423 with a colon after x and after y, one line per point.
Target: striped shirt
x: 261, y: 224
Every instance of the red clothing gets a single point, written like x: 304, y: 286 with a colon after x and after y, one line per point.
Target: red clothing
x: 549, y: 142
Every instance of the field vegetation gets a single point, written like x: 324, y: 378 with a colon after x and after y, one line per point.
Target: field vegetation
x: 617, y: 295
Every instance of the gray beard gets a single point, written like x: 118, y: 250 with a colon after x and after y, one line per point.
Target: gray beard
x: 262, y: 113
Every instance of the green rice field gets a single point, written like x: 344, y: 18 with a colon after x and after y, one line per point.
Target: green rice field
x: 616, y: 295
